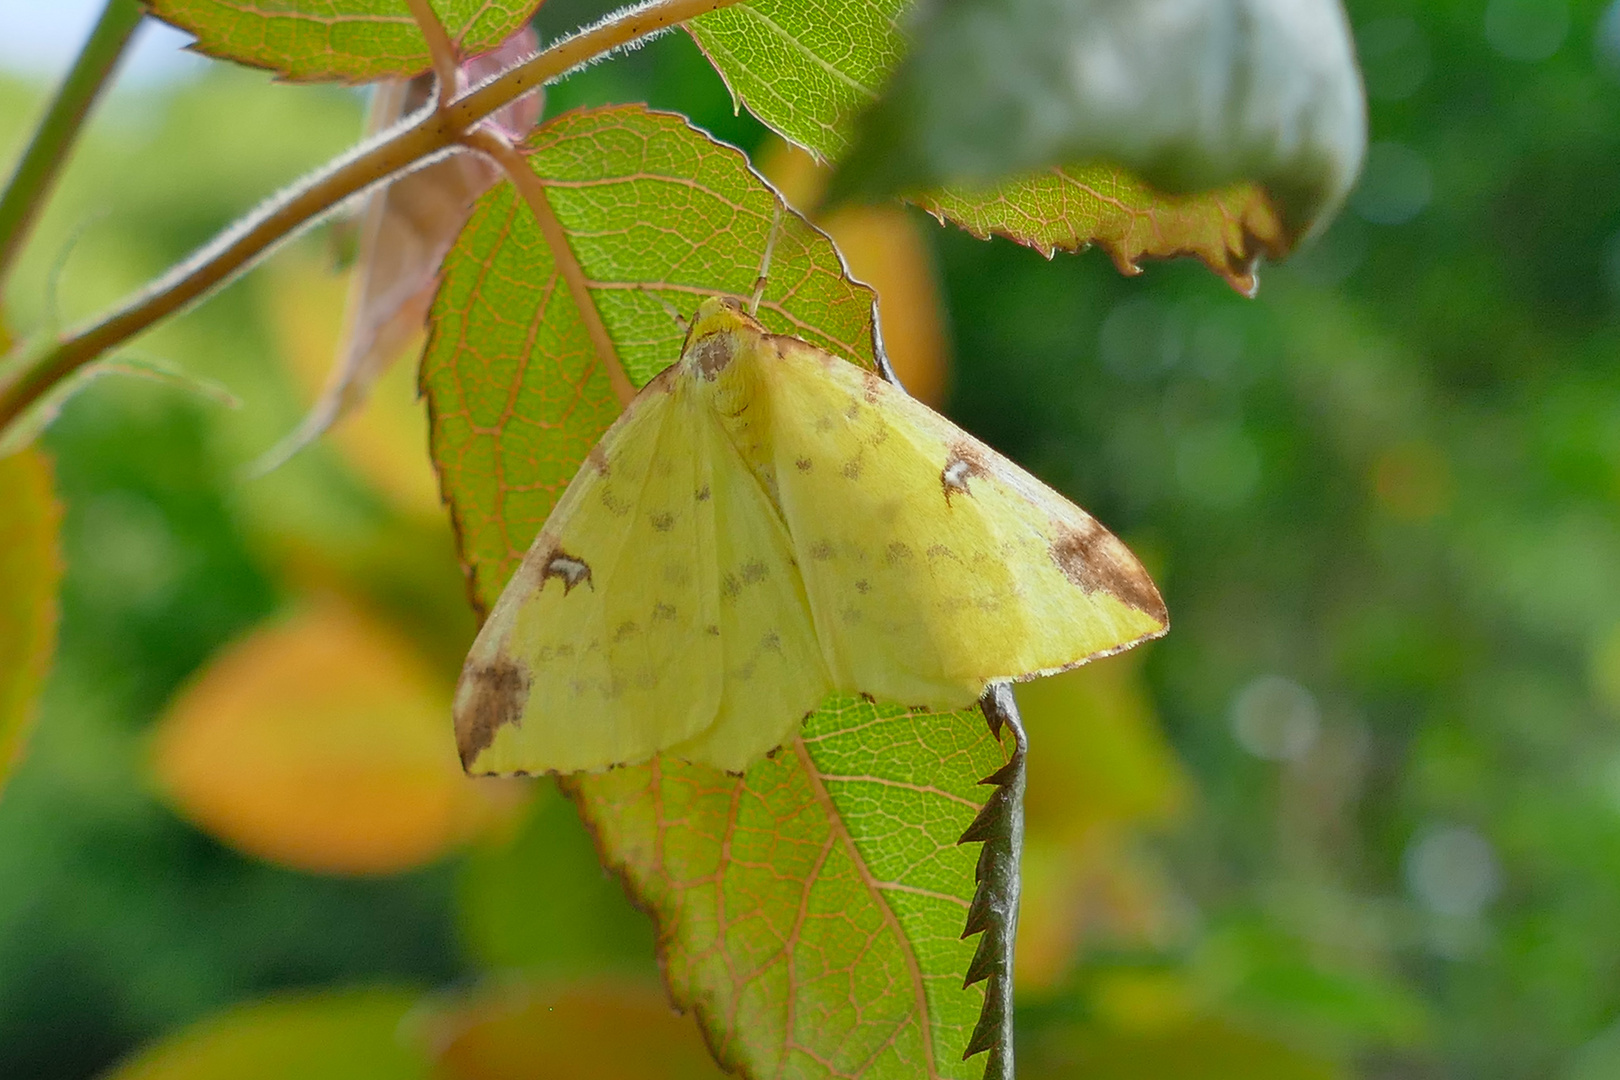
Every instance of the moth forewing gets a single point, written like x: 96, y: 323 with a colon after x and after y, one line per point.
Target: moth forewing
x: 766, y: 524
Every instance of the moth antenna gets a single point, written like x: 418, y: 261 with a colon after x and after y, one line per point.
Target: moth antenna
x: 674, y: 312
x: 765, y: 263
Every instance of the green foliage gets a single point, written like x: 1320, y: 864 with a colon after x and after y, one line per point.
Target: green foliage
x: 351, y: 40
x: 805, y: 69
x: 812, y: 910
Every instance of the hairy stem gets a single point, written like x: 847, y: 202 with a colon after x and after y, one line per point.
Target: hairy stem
x: 533, y: 190
x: 36, y: 171
x: 244, y: 243
x: 440, y: 47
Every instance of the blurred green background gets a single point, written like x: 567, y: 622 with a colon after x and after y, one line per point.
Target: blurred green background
x: 1358, y: 815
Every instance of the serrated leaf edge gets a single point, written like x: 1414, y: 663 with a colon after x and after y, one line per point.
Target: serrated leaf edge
x: 993, y: 912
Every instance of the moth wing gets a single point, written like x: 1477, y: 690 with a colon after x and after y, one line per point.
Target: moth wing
x: 933, y: 565
x: 772, y: 662
x: 595, y: 654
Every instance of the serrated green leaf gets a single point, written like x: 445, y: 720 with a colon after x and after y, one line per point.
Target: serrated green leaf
x: 30, y: 570
x: 837, y: 946
x: 347, y: 40
x: 1070, y: 209
x: 807, y: 71
x: 812, y: 910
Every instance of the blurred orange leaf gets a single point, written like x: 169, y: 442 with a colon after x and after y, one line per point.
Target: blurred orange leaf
x: 884, y: 248
x: 30, y: 569
x: 607, y: 1031
x: 324, y: 744
x: 338, y: 1035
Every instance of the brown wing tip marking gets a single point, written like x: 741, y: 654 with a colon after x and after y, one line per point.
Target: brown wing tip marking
x: 965, y: 462
x: 597, y: 459
x: 571, y: 569
x: 492, y: 697
x: 1094, y: 559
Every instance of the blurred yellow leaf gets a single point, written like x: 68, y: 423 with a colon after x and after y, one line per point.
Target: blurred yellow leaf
x: 30, y: 570
x: 1102, y: 755
x: 1100, y: 771
x: 337, y: 1035
x: 386, y: 442
x: 606, y: 1031
x: 884, y: 248
x: 1143, y: 1001
x: 323, y: 743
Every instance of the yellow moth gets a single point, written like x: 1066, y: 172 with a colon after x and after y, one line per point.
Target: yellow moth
x: 764, y: 525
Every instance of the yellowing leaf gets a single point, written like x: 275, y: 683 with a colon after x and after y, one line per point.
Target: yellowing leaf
x: 883, y: 248
x: 1069, y: 209
x: 336, y: 1035
x: 348, y: 40
x: 321, y: 743
x: 30, y: 570
x: 601, y: 1031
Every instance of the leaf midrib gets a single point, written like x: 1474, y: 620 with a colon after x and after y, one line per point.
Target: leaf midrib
x: 891, y: 920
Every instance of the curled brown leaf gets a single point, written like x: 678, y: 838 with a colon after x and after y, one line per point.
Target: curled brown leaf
x: 406, y: 230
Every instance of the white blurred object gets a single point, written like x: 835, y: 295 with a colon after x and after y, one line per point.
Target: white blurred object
x: 1452, y: 870
x: 1275, y: 718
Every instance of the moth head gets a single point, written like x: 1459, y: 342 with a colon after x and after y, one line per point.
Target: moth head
x: 717, y: 330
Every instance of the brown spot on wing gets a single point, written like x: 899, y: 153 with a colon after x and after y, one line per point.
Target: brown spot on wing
x: 1095, y: 560
x: 597, y: 459
x: 965, y: 462
x: 492, y: 696
x: 571, y: 569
